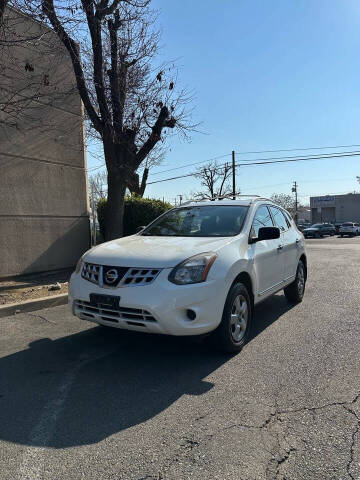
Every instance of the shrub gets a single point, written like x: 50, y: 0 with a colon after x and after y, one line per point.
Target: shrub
x: 138, y: 211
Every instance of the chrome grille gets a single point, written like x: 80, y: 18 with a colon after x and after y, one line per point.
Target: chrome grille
x: 92, y: 272
x: 130, y: 315
x: 126, y: 276
x: 139, y: 276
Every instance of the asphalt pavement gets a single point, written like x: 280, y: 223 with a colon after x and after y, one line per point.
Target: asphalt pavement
x: 78, y: 401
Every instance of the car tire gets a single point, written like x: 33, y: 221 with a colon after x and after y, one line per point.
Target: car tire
x: 332, y: 234
x: 341, y: 235
x: 234, y: 329
x: 295, y: 291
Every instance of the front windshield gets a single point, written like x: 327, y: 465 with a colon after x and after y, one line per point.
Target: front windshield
x: 207, y: 221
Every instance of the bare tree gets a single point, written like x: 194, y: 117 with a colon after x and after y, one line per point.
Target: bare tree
x: 284, y: 200
x: 215, y: 181
x: 358, y: 179
x: 97, y: 186
x: 130, y: 105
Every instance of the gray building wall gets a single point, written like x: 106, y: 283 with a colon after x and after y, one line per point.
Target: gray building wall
x: 44, y: 212
x: 337, y: 208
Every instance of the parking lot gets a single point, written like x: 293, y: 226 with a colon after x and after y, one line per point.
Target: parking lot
x: 79, y: 401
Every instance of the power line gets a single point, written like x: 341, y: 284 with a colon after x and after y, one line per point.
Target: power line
x: 195, y: 163
x: 239, y: 153
x: 256, y: 152
x: 273, y: 161
x: 300, y: 149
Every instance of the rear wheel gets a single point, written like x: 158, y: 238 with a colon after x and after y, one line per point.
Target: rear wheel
x: 233, y: 331
x: 295, y: 291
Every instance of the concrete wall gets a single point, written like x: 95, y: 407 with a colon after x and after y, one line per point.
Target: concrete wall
x: 44, y: 220
x: 346, y: 209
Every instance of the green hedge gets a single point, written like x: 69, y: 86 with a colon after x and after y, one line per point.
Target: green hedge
x: 138, y: 211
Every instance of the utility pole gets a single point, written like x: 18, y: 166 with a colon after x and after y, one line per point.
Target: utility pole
x: 180, y: 198
x: 233, y: 175
x: 294, y: 190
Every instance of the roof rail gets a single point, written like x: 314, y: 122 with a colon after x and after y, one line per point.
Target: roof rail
x: 253, y: 198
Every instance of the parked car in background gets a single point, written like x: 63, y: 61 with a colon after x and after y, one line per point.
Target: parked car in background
x: 302, y: 225
x: 319, y: 230
x: 199, y: 268
x: 337, y: 226
x: 349, y: 228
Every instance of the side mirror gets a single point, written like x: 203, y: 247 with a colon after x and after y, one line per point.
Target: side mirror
x: 267, y: 233
x: 139, y: 229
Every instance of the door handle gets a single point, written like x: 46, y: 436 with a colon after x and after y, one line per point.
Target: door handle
x: 297, y: 241
x: 280, y: 247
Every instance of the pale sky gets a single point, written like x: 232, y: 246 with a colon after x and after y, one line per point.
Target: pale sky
x: 266, y: 76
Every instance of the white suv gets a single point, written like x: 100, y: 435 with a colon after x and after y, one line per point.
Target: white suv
x: 198, y: 268
x: 349, y: 228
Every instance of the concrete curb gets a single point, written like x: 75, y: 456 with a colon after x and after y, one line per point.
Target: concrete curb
x: 33, y: 304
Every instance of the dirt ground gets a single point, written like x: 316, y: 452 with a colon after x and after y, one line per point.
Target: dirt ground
x: 34, y: 286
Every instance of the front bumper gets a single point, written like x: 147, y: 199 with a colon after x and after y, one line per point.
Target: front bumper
x: 159, y: 307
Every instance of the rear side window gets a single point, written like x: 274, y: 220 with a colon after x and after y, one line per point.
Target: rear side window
x: 279, y: 219
x: 262, y: 219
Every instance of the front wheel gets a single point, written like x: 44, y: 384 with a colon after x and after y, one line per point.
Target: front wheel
x: 295, y: 291
x: 233, y: 331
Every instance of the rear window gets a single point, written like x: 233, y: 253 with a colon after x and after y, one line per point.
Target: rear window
x: 279, y: 219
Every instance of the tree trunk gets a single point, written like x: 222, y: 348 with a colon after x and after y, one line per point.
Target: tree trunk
x: 116, y: 192
x: 115, y: 207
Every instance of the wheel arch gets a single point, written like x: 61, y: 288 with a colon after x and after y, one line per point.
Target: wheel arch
x: 304, y: 260
x: 245, y: 278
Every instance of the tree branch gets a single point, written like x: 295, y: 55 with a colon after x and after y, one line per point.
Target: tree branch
x: 162, y: 121
x: 74, y: 51
x: 102, y: 10
x: 224, y: 178
x: 117, y: 110
x: 136, y: 187
x: 94, y: 23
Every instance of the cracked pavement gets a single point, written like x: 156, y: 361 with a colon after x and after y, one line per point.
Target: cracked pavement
x: 84, y: 402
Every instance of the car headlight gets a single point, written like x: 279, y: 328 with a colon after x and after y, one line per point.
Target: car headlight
x: 193, y: 270
x: 79, y: 264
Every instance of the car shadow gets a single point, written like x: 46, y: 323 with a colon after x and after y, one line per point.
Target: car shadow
x: 114, y: 380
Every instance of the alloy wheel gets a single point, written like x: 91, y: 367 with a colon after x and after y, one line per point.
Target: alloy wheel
x: 301, y: 279
x: 239, y: 317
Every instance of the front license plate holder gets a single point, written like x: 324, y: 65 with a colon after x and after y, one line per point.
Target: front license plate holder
x: 111, y: 302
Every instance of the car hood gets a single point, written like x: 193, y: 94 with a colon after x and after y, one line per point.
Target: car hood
x: 152, y: 252
x: 311, y: 230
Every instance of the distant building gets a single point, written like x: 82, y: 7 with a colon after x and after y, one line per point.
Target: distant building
x: 335, y: 208
x: 44, y: 211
